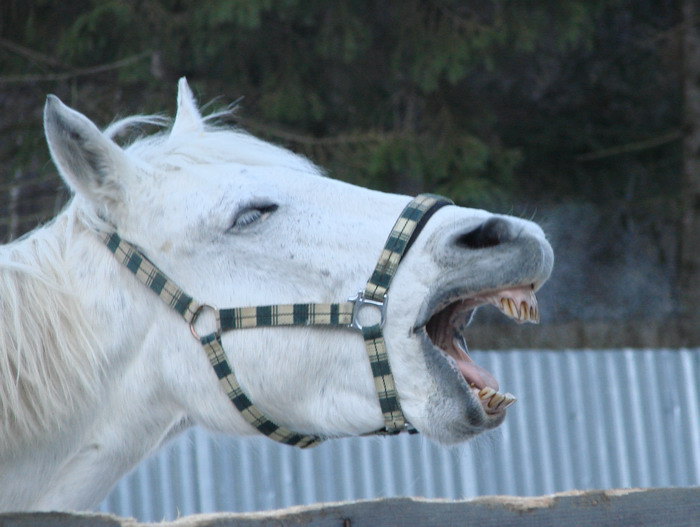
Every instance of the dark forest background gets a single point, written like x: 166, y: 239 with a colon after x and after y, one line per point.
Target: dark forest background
x: 580, y: 114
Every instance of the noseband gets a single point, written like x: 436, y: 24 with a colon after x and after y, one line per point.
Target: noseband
x: 342, y: 315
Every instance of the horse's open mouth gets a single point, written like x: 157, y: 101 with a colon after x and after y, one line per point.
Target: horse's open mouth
x: 446, y: 327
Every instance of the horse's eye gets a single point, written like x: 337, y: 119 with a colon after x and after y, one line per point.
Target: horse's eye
x: 252, y: 214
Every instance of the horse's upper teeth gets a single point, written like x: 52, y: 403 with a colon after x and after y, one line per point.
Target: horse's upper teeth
x: 519, y: 304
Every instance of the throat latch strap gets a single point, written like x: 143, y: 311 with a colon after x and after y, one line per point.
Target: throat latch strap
x: 343, y: 314
x: 227, y: 380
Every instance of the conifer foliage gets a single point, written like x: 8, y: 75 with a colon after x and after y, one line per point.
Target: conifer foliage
x: 483, y: 100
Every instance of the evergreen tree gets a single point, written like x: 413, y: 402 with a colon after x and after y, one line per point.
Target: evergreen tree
x: 480, y: 100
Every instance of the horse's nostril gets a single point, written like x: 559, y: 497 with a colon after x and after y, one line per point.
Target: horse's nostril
x: 489, y: 234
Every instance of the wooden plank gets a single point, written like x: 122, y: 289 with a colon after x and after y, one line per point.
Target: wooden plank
x: 667, y: 507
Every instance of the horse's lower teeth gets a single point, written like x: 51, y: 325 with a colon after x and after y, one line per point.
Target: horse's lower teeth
x: 486, y: 393
x: 496, y: 400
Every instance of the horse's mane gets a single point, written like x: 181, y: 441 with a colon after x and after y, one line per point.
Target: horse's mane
x: 49, y: 358
x: 219, y: 143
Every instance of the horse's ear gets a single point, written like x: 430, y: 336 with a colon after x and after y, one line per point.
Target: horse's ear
x: 90, y: 163
x: 188, y: 119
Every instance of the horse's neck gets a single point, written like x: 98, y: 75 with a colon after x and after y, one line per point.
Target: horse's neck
x: 74, y: 384
x: 50, y: 356
x: 66, y: 320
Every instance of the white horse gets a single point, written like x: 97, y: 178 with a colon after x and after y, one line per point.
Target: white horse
x: 96, y: 372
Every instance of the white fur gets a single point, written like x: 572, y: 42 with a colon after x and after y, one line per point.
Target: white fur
x: 96, y: 372
x: 49, y: 358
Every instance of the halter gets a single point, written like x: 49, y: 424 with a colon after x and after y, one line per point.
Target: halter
x: 342, y: 315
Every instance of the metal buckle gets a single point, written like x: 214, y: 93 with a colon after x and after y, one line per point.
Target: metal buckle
x: 360, y: 302
x: 196, y: 315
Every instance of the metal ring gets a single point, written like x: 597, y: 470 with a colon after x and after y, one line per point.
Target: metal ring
x: 196, y: 316
x: 361, y: 301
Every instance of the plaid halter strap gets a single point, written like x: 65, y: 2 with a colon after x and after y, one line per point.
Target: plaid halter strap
x: 343, y: 315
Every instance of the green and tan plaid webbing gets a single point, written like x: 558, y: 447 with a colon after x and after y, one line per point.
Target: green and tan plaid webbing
x: 152, y: 277
x: 148, y: 274
x: 227, y: 380
x: 406, y: 229
x: 286, y: 315
x: 402, y: 236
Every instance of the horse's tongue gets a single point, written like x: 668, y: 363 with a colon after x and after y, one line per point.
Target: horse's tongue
x: 474, y: 374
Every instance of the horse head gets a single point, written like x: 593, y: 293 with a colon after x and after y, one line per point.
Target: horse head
x: 236, y: 221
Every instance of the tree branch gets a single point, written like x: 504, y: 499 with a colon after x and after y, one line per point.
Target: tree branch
x: 304, y: 139
x: 15, y: 79
x: 638, y: 146
x: 32, y: 55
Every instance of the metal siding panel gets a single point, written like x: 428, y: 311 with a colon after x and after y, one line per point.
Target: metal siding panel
x: 617, y: 417
x: 671, y: 372
x: 690, y: 366
x: 517, y: 432
x: 585, y: 419
x: 658, y: 468
x: 640, y: 443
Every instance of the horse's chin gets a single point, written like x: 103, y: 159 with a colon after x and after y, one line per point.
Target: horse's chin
x: 468, y: 400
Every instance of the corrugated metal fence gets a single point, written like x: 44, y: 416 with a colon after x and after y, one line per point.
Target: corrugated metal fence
x: 584, y: 420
